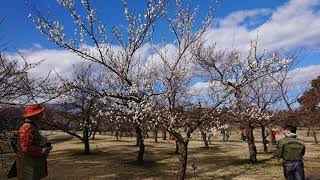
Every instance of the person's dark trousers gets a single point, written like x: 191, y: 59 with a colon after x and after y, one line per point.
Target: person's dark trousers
x: 293, y: 170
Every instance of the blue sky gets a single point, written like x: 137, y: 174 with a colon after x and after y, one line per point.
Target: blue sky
x: 21, y: 33
x: 285, y: 25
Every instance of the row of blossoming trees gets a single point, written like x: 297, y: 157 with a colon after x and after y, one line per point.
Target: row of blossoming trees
x: 120, y: 90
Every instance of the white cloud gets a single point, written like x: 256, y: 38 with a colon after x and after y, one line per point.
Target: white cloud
x: 293, y: 25
x: 200, y: 89
x: 60, y: 61
x: 299, y: 79
x: 144, y: 52
x: 168, y: 51
x: 213, y: 88
x: 63, y: 61
x: 165, y: 58
x: 236, y: 18
x: 302, y: 77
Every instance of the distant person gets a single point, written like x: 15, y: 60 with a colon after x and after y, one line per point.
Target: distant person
x: 33, y: 148
x: 242, y: 134
x: 245, y: 134
x: 172, y: 138
x: 291, y: 150
x: 225, y: 131
x: 274, y: 133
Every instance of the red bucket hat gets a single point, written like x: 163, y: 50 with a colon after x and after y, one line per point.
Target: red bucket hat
x: 32, y: 110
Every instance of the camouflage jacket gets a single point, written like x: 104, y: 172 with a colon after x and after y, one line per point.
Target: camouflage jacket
x: 31, y: 163
x: 290, y: 149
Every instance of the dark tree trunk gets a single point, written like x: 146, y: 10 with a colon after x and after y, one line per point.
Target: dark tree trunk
x: 308, y: 133
x: 140, y: 143
x: 2, y: 160
x: 141, y: 152
x: 121, y: 134
x: 86, y: 140
x: 183, y: 158
x: 95, y: 132
x: 264, y: 138
x: 139, y: 136
x: 164, y: 133
x: 156, y: 135
x: 117, y: 135
x: 251, y: 145
x: 204, y: 138
x: 177, y: 148
x: 209, y: 139
x: 315, y: 137
x: 146, y: 135
x: 90, y: 134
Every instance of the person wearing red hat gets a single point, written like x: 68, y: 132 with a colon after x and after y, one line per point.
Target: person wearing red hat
x: 32, y: 147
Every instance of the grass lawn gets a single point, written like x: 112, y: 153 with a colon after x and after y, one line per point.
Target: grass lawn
x: 111, y: 159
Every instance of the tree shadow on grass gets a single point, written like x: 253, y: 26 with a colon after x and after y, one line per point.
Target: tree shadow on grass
x: 120, y: 140
x: 211, y: 149
x: 160, y: 161
x: 228, y: 166
x: 119, y: 161
x: 146, y: 164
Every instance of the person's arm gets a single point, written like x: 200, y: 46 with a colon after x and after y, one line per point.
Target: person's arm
x: 26, y: 142
x: 279, y: 152
x: 303, y: 150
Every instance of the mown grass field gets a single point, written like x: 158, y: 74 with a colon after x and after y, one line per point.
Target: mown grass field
x: 111, y: 159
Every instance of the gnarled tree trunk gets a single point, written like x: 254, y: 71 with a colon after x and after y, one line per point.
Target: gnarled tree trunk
x: 315, y: 137
x: 94, y: 132
x: 156, y: 135
x: 177, y: 148
x: 251, y: 145
x: 308, y: 133
x: 183, y: 159
x: 86, y: 140
x: 140, y: 143
x: 117, y: 134
x: 264, y: 138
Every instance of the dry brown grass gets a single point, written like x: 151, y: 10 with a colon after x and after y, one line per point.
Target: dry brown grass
x: 111, y: 159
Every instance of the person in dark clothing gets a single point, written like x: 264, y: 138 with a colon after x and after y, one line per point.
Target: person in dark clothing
x: 291, y: 150
x: 33, y: 149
